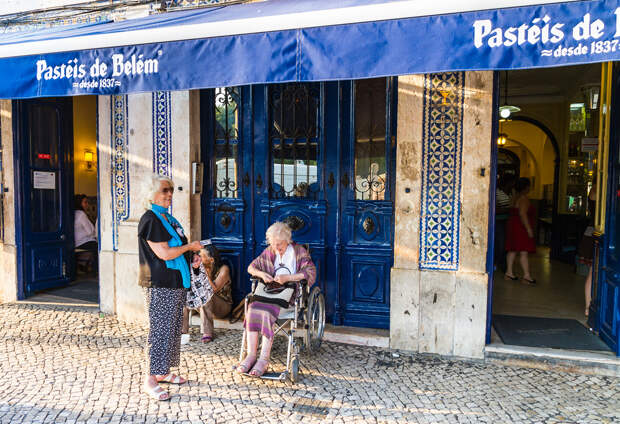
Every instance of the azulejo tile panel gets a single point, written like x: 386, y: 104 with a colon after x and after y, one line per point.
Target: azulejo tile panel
x: 119, y: 165
x: 442, y: 139
x: 162, y: 134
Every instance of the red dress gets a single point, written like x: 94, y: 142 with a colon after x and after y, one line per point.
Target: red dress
x: 517, y: 239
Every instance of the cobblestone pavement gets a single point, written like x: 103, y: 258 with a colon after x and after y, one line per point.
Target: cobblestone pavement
x: 69, y: 365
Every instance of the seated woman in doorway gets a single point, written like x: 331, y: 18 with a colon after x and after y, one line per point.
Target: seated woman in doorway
x: 210, y: 293
x: 282, y: 261
x: 84, y: 232
x: 520, y: 232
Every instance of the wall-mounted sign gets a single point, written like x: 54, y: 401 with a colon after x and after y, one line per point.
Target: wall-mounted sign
x: 589, y: 144
x: 44, y: 156
x: 43, y: 180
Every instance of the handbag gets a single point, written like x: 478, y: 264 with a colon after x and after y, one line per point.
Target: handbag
x: 274, y: 293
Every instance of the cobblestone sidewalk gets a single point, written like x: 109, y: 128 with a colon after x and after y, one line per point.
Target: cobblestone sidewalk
x: 69, y: 365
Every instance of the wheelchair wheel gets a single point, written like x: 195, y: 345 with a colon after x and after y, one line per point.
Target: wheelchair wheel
x: 315, y: 319
x: 294, y: 375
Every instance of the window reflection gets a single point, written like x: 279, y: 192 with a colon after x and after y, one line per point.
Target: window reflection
x: 227, y: 101
x: 370, y: 139
x: 294, y: 113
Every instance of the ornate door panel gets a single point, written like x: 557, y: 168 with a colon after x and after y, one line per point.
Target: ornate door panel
x: 225, y: 198
x: 368, y: 204
x: 295, y: 166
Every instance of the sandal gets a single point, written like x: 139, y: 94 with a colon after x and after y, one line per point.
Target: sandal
x: 527, y: 282
x: 510, y: 277
x: 157, y: 393
x: 171, y: 378
x: 246, y: 365
x: 206, y: 339
x: 257, y: 370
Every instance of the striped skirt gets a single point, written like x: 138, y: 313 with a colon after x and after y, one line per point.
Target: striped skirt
x: 261, y: 317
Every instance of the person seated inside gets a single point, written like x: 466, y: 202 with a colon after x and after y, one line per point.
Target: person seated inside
x: 85, y: 234
x: 210, y: 292
x: 282, y: 261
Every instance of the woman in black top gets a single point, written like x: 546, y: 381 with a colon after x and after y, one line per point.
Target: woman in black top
x: 164, y: 274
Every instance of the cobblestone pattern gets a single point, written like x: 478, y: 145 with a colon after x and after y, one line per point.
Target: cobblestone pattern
x: 70, y: 365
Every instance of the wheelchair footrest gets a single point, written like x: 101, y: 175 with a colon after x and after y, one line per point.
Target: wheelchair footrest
x: 277, y: 376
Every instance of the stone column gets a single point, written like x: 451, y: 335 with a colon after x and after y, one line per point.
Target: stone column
x: 439, y: 280
x: 141, y: 134
x: 8, y: 251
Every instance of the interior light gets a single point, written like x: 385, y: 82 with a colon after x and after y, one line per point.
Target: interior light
x: 88, y: 158
x: 506, y: 110
x: 501, y: 140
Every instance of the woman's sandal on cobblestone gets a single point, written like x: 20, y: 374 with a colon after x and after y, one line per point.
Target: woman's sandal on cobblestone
x: 171, y: 378
x: 259, y: 370
x: 246, y: 365
x: 157, y: 393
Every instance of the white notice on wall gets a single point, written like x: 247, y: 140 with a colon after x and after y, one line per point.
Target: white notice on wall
x: 589, y: 144
x: 44, y: 180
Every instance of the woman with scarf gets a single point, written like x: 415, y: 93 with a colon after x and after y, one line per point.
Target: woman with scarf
x: 282, y: 261
x: 165, y: 276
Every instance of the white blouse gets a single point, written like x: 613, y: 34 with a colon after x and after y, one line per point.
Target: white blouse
x: 287, y: 264
x: 84, y: 230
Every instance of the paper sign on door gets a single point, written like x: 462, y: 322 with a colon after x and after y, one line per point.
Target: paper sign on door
x: 44, y: 180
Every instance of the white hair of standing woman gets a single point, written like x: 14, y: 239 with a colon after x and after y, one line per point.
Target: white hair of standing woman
x: 152, y: 186
x: 278, y: 231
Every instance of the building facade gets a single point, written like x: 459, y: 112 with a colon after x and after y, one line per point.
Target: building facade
x: 389, y: 180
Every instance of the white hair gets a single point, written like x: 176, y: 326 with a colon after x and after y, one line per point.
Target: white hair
x: 152, y: 186
x: 278, y: 231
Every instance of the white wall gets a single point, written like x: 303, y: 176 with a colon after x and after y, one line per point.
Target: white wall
x: 15, y: 6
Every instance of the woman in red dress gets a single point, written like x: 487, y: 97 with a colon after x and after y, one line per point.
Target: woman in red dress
x: 520, y: 232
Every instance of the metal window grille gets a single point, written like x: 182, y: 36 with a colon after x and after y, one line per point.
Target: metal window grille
x: 226, y: 128
x: 294, y: 136
x: 370, y: 139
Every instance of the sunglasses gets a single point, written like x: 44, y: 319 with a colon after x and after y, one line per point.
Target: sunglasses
x: 167, y: 190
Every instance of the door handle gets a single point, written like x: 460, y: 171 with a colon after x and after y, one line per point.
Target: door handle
x: 63, y: 237
x: 345, y: 180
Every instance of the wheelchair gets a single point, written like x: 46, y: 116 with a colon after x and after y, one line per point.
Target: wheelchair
x: 303, y: 324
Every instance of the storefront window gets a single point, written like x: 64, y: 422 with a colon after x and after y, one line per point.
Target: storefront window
x: 370, y: 139
x: 227, y: 101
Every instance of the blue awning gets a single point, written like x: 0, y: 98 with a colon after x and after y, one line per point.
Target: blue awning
x: 308, y: 40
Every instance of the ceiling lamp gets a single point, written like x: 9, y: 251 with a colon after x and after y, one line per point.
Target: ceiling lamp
x: 506, y: 110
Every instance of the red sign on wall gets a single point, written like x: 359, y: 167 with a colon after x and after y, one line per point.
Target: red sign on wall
x: 44, y: 156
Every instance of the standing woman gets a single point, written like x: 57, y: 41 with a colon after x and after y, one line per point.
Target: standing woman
x: 520, y: 232
x: 164, y: 274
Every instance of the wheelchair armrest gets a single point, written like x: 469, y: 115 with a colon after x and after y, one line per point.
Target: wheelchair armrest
x: 255, y: 281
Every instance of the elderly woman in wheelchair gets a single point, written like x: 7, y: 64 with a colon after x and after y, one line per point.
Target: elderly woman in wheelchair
x: 283, y: 275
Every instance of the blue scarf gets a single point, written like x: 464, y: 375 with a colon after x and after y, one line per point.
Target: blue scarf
x: 179, y: 263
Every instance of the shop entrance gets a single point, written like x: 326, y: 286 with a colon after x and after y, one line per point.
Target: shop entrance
x: 55, y: 145
x: 320, y: 157
x: 551, y: 140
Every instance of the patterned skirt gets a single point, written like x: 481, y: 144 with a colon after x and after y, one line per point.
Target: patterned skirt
x: 165, y: 310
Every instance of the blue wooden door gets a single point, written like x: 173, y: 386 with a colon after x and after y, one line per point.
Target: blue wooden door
x: 43, y: 145
x: 285, y: 152
x: 606, y: 293
x: 367, y: 202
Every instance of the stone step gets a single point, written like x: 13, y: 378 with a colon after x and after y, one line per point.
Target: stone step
x: 582, y: 362
x: 338, y: 334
